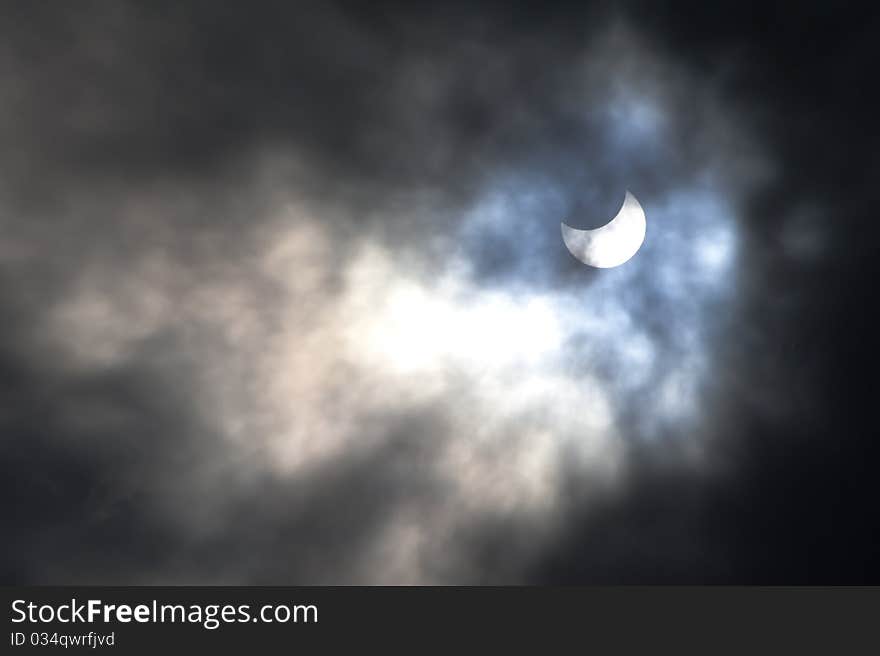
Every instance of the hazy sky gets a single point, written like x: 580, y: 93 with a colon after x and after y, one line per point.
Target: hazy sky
x: 285, y: 298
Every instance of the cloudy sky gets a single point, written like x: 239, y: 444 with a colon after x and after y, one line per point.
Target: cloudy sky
x: 285, y: 299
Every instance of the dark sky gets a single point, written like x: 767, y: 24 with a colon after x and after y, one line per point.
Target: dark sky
x: 285, y: 300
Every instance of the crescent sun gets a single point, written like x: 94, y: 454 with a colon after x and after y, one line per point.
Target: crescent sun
x: 612, y: 244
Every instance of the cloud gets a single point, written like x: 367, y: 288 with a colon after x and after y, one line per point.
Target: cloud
x: 294, y: 307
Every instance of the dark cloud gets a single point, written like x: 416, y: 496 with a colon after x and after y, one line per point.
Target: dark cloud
x: 224, y: 227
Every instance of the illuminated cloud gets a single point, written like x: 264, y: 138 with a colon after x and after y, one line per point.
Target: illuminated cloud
x: 531, y: 380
